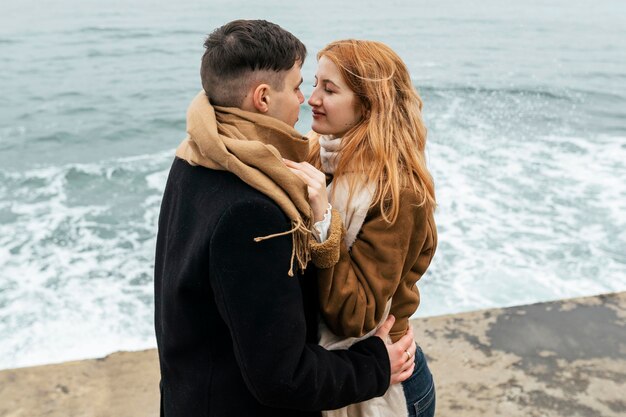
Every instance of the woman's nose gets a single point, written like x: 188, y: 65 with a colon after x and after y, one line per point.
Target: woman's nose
x: 314, y: 100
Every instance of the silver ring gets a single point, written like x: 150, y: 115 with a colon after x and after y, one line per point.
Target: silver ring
x: 409, y: 356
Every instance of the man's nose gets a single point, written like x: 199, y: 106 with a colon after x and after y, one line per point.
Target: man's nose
x: 300, y: 97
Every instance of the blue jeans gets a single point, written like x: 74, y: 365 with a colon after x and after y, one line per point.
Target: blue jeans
x: 419, y: 389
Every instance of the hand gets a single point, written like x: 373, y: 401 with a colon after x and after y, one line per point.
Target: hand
x: 316, y: 185
x: 401, y: 354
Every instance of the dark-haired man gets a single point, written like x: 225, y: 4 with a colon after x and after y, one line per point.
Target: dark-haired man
x: 236, y: 320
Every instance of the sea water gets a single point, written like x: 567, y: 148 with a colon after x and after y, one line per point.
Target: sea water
x: 525, y: 105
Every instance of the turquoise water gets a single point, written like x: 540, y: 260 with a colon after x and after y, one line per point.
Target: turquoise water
x: 525, y: 105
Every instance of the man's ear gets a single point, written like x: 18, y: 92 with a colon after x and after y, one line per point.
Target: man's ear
x: 261, y: 98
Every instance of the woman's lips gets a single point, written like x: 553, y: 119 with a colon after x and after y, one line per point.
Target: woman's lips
x: 317, y: 114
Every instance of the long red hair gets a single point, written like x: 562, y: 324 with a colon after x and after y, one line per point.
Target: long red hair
x: 388, y: 144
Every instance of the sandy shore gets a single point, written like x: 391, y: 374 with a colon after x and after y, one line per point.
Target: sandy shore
x: 563, y: 358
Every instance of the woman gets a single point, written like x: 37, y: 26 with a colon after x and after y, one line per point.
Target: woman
x: 370, y: 139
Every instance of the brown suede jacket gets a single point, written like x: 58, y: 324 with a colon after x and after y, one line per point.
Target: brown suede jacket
x: 385, y: 261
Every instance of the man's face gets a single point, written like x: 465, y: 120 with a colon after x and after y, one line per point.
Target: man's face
x: 285, y: 105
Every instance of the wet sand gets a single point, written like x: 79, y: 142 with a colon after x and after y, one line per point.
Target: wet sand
x: 562, y: 358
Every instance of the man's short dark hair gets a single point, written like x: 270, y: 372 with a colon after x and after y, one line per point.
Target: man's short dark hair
x: 243, y: 52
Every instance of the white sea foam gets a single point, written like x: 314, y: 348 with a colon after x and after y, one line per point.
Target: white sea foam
x: 528, y: 157
x: 77, y: 276
x: 518, y: 223
x: 527, y: 224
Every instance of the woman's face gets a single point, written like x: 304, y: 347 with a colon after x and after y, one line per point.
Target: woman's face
x: 335, y: 107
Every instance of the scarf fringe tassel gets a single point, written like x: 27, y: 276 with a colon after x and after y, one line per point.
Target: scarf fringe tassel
x: 301, y: 241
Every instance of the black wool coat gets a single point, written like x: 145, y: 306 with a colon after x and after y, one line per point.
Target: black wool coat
x: 236, y: 335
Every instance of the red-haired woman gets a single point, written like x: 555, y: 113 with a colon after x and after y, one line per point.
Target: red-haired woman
x: 369, y: 137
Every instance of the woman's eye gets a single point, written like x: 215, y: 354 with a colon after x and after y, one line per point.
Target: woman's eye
x: 326, y: 89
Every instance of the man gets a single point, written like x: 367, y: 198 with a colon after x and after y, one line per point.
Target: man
x: 236, y: 320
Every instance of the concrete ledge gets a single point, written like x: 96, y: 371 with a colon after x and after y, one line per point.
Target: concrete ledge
x: 121, y: 384
x: 562, y: 358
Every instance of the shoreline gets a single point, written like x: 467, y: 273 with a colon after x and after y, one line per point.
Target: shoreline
x: 564, y: 357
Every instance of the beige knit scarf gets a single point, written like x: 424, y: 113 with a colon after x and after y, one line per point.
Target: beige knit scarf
x: 353, y: 207
x: 251, y: 146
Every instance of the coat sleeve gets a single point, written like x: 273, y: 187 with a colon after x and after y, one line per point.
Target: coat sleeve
x: 355, y: 291
x: 263, y: 309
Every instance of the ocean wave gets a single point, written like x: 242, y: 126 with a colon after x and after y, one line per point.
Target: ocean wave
x: 610, y: 97
x: 109, y: 53
x: 169, y: 122
x: 12, y: 133
x: 530, y: 92
x: 76, y: 246
x: 98, y: 29
x: 126, y: 33
x: 70, y: 94
x: 526, y: 222
x: 526, y: 145
x: 56, y: 137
